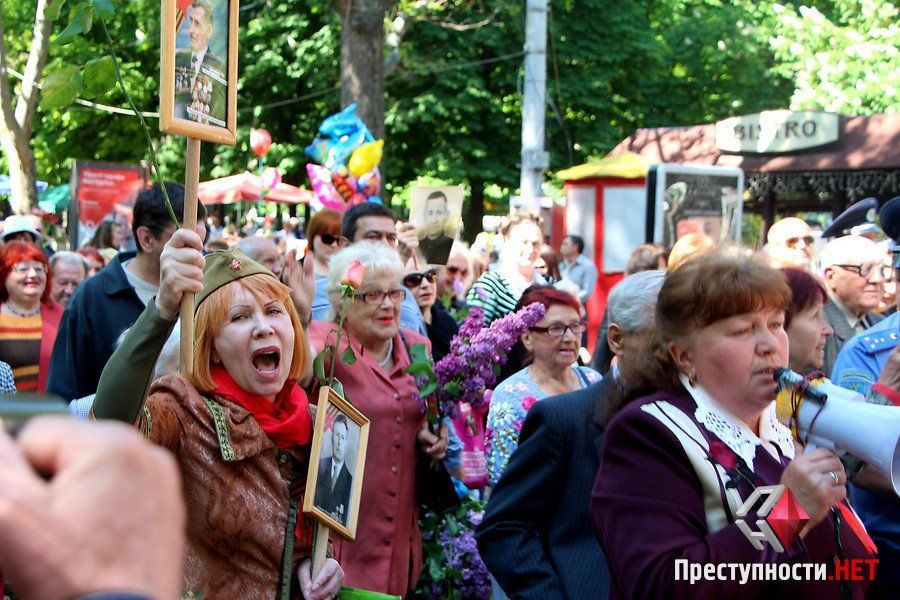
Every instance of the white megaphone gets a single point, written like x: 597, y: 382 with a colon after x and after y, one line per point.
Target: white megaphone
x: 833, y: 417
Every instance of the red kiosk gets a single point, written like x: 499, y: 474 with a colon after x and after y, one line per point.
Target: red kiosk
x: 615, y: 184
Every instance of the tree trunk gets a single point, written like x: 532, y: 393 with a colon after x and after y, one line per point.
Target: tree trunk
x: 22, y: 174
x: 16, y: 121
x: 474, y: 217
x: 362, y: 63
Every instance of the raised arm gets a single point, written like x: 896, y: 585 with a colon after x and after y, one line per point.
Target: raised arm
x: 126, y: 378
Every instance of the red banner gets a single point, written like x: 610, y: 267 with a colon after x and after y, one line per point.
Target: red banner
x: 105, y: 191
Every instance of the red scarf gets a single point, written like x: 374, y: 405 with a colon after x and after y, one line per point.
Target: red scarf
x: 286, y: 420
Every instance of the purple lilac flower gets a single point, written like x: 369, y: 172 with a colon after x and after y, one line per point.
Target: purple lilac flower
x: 474, y: 353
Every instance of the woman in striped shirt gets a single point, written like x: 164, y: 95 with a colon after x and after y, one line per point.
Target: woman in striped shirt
x: 498, y: 291
x: 28, y: 317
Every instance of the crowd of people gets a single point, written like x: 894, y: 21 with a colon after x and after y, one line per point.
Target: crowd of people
x: 603, y: 469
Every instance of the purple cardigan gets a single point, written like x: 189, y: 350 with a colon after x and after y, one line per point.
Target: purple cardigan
x: 647, y: 507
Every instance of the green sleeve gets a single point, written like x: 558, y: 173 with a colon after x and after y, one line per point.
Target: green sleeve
x: 126, y: 378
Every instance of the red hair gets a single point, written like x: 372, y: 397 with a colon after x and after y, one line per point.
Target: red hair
x: 93, y: 254
x: 806, y: 290
x: 12, y: 253
x: 549, y: 296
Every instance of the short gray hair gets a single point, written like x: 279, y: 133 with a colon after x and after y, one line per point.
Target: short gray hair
x: 70, y: 258
x: 632, y: 302
x: 377, y: 257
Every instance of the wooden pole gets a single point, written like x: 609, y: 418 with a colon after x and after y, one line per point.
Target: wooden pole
x: 320, y: 549
x: 191, y: 181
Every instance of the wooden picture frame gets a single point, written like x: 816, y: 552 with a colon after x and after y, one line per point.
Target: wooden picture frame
x: 337, y: 508
x: 198, y: 88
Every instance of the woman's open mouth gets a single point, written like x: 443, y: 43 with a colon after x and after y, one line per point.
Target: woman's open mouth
x: 266, y: 361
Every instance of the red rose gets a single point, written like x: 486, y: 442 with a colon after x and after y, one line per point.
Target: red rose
x: 723, y: 455
x: 528, y: 402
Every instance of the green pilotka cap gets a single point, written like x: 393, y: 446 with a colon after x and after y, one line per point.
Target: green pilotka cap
x: 225, y: 266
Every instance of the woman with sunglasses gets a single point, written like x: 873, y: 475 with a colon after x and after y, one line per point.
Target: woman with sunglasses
x: 552, y: 345
x: 28, y: 317
x: 440, y: 325
x: 386, y: 555
x: 324, y: 236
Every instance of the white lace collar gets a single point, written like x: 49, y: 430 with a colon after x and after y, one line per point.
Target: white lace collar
x: 735, y: 433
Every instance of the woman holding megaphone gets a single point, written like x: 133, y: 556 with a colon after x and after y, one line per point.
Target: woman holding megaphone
x: 679, y: 466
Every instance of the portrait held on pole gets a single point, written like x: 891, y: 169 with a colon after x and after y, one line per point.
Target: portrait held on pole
x: 338, y: 454
x: 436, y: 212
x: 198, y: 69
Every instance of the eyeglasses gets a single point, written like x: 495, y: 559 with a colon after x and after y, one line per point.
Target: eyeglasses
x: 454, y: 270
x: 25, y: 267
x: 376, y: 297
x: 414, y: 280
x: 330, y: 240
x: 559, y: 329
x: 793, y: 242
x: 866, y: 271
x: 376, y: 236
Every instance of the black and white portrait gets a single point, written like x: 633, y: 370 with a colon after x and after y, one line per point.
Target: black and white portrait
x: 334, y: 484
x: 436, y: 213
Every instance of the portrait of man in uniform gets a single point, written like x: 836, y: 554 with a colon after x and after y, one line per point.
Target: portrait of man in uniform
x: 201, y: 73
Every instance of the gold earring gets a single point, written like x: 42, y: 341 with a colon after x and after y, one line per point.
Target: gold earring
x: 692, y: 378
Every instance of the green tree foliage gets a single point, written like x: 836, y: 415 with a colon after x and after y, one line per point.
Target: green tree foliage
x: 454, y: 77
x: 842, y: 58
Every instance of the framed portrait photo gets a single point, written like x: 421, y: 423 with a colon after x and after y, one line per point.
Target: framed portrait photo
x: 437, y: 213
x: 198, y: 69
x: 336, y: 464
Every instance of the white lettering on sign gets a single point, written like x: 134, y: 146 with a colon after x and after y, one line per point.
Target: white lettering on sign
x: 777, y: 131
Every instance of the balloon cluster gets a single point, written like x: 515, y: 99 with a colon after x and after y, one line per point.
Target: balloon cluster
x: 346, y: 156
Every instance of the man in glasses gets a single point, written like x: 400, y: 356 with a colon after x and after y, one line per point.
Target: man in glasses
x: 853, y: 270
x: 790, y: 244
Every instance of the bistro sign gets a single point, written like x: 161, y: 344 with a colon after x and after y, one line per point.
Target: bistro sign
x: 776, y: 131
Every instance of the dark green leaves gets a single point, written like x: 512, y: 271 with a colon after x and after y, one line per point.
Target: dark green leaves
x: 348, y: 357
x: 105, y: 9
x: 79, y: 23
x: 319, y: 367
x: 99, y: 76
x: 61, y: 87
x: 52, y: 12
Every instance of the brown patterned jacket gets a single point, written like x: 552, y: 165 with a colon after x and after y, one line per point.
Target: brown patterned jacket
x: 237, y: 485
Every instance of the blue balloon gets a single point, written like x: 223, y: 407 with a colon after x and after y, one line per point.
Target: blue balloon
x: 374, y: 199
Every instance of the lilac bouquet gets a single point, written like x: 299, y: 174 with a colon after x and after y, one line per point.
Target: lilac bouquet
x: 476, y: 355
x: 452, y: 567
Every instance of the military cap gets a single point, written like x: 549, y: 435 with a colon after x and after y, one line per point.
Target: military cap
x: 856, y: 214
x: 223, y: 267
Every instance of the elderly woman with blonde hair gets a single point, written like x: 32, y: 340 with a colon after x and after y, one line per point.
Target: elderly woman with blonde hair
x: 387, y: 554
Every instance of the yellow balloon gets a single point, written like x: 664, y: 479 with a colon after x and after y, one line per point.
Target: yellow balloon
x: 365, y: 158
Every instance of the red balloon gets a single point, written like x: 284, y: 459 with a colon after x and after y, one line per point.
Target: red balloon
x: 260, y: 141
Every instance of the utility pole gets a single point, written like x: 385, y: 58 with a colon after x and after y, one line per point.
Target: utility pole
x: 534, y: 158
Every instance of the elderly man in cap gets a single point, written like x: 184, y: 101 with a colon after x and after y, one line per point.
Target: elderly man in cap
x: 853, y: 270
x: 790, y: 244
x: 870, y: 365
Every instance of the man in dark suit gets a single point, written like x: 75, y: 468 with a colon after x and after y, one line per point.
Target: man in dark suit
x: 853, y: 269
x: 335, y: 482
x: 534, y: 537
x: 200, y: 75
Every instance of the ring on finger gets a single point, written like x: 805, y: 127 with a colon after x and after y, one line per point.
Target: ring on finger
x: 834, y: 476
